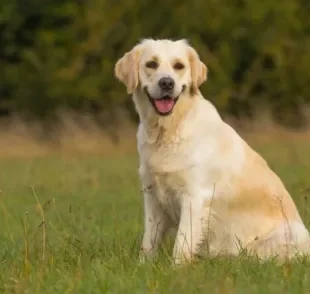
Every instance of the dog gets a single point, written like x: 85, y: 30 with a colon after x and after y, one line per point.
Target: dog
x: 198, y: 175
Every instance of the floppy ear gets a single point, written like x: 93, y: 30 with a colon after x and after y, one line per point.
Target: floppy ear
x: 199, y: 70
x: 127, y: 69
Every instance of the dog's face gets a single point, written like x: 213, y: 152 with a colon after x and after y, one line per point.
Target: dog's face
x: 163, y: 70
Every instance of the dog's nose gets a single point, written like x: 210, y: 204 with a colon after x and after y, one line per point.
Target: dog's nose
x: 166, y: 83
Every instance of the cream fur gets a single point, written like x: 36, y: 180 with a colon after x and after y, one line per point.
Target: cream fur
x: 198, y: 174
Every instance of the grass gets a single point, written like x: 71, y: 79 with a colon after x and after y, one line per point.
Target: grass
x: 72, y: 223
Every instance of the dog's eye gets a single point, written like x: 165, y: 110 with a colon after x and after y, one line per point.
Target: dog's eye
x: 178, y: 66
x: 151, y: 64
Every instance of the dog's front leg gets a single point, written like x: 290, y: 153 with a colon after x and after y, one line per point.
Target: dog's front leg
x: 155, y: 226
x: 190, y: 232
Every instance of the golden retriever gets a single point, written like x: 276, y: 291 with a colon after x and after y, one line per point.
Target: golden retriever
x: 198, y: 174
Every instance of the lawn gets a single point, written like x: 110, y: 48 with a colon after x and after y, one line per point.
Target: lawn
x: 73, y: 224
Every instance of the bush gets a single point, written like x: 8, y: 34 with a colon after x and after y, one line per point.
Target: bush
x: 57, y: 54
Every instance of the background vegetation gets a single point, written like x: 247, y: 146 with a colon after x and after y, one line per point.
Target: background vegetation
x: 61, y: 53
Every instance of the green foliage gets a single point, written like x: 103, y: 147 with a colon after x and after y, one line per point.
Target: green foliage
x: 62, y: 53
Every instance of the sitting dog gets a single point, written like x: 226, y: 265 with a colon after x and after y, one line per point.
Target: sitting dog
x: 198, y: 174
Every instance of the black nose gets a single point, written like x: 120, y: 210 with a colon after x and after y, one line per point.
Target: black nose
x: 166, y: 83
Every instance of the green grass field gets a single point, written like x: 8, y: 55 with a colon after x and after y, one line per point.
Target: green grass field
x: 73, y: 224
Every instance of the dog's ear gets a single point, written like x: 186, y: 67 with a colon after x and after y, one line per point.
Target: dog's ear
x: 127, y: 69
x: 199, y: 70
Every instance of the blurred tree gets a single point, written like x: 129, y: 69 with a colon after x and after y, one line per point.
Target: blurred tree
x: 58, y: 54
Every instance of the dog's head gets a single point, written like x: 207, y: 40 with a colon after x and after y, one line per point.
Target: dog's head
x: 161, y: 70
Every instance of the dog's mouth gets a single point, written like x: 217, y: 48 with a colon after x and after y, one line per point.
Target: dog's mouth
x: 165, y: 104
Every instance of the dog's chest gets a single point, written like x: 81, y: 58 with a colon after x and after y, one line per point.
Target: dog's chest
x: 172, y: 170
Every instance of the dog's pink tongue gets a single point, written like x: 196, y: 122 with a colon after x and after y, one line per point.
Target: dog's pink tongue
x: 164, y: 105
